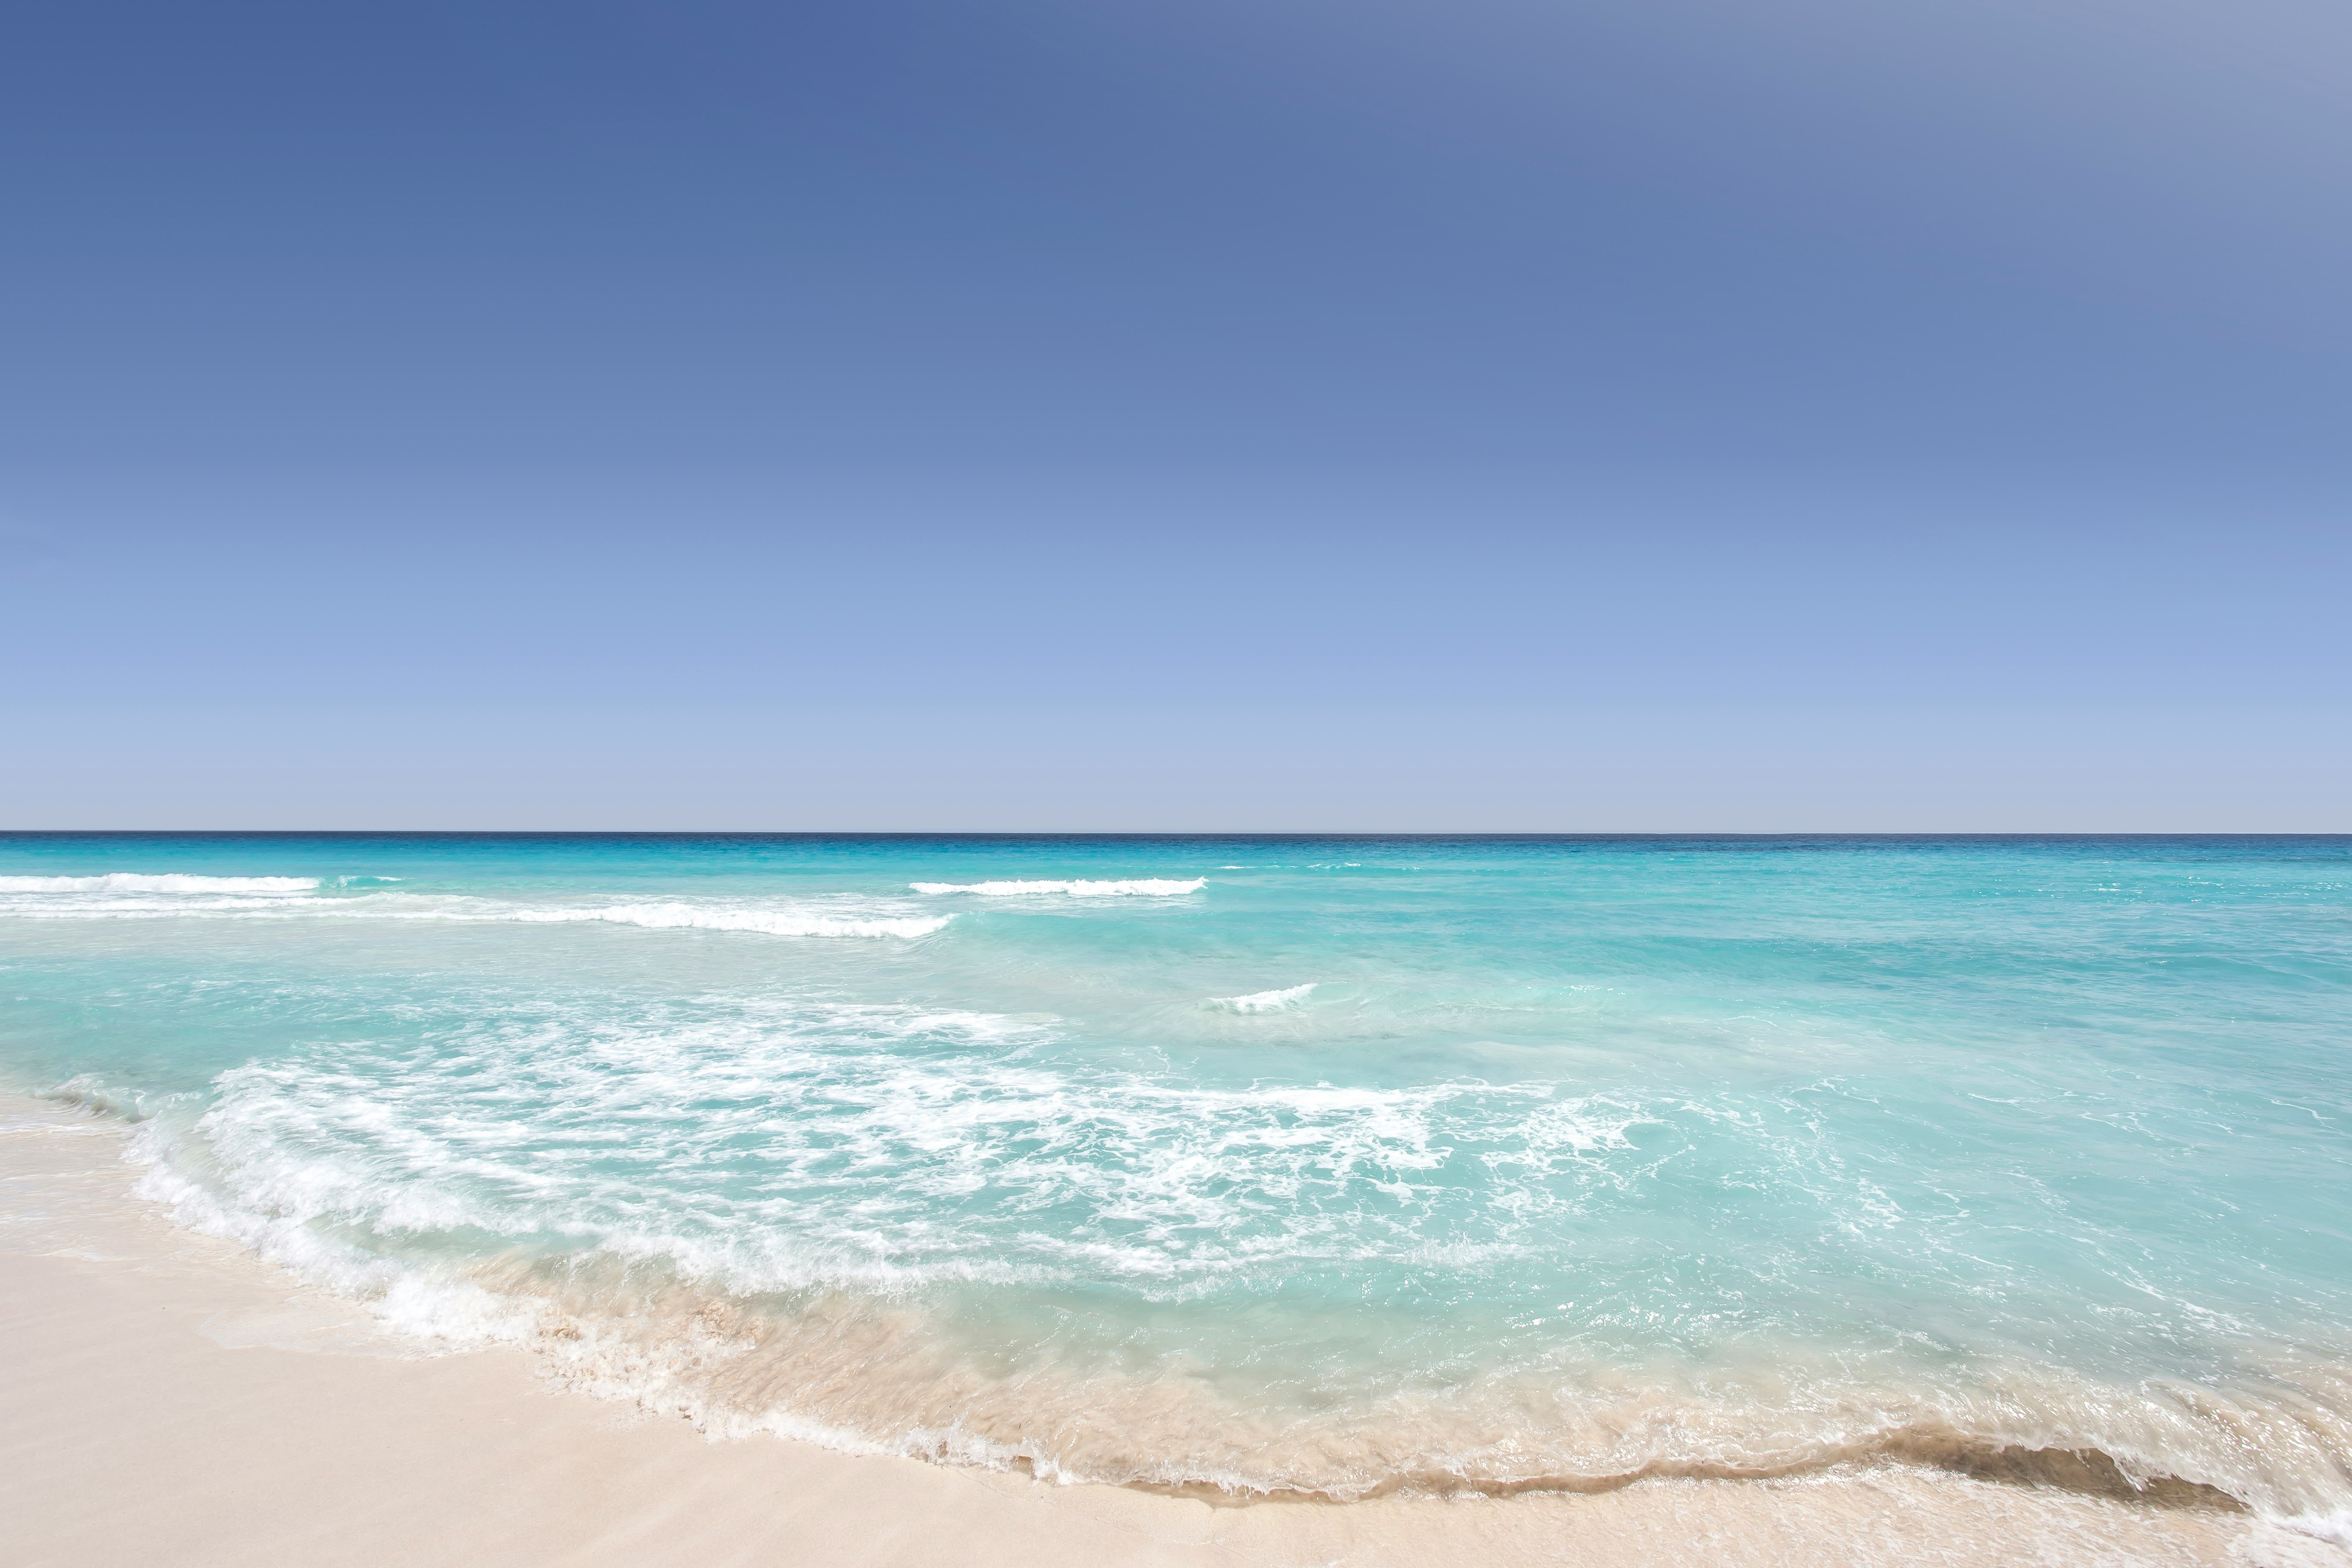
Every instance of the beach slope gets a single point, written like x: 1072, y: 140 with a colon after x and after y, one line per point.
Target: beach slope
x: 165, y: 1397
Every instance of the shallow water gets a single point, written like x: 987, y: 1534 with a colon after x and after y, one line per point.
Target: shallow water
x: 1333, y: 1165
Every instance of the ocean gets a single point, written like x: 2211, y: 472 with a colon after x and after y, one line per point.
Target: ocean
x: 1278, y: 1166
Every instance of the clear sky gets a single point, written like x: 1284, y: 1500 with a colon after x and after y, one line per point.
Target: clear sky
x: 1494, y: 414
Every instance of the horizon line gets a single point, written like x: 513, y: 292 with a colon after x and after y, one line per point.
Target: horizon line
x: 1504, y: 834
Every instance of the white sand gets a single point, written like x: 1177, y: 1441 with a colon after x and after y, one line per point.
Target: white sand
x: 166, y: 1399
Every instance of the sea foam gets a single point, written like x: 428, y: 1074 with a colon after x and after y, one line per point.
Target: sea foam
x: 125, y: 896
x: 768, y: 923
x: 1267, y: 1001
x: 169, y: 882
x: 1140, y: 886
x: 703, y: 1296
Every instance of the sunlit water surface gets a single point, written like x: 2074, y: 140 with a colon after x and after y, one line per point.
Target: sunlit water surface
x: 1331, y: 1165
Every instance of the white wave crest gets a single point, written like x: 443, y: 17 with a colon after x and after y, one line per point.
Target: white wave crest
x: 170, y: 882
x: 1264, y: 1001
x: 1141, y: 887
x: 771, y: 922
x: 287, y: 898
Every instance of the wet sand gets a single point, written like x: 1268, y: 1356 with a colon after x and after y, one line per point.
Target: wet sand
x: 167, y: 1398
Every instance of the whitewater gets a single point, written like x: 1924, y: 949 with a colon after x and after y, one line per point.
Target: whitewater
x: 1279, y: 1166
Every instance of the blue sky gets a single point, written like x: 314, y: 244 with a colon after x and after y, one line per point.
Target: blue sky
x: 1494, y: 416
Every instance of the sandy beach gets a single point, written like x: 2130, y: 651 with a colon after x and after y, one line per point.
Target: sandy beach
x: 169, y: 1398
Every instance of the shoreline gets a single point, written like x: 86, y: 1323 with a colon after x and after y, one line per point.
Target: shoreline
x: 170, y: 1396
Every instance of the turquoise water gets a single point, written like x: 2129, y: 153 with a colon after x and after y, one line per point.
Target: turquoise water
x: 1332, y: 1165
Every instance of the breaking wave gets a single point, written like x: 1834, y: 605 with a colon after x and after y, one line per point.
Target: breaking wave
x: 1141, y: 887
x: 769, y: 923
x: 170, y: 882
x: 122, y: 896
x: 1265, y: 1001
